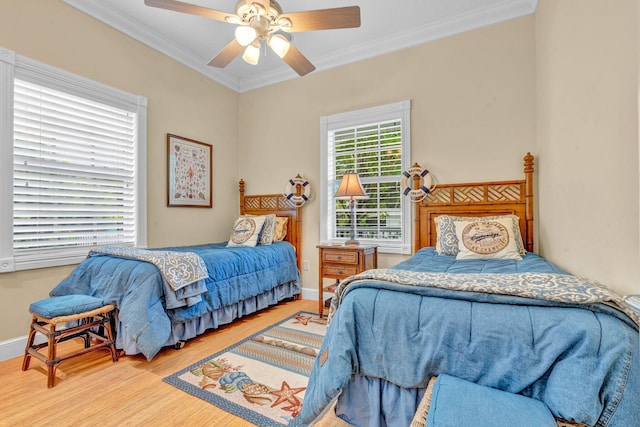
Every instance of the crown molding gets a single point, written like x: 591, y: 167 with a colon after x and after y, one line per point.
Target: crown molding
x: 374, y: 47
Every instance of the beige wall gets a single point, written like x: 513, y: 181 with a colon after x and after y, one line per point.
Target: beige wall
x: 180, y: 101
x: 587, y: 91
x: 561, y: 84
x: 472, y: 118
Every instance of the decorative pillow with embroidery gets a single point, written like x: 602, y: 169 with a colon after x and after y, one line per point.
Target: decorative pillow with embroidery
x: 447, y: 240
x: 266, y: 235
x: 493, y: 239
x: 280, y: 228
x: 246, y: 231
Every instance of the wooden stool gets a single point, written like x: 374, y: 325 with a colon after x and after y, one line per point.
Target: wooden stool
x: 92, y: 317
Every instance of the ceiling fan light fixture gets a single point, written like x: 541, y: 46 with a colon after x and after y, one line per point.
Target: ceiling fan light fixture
x: 279, y: 44
x: 233, y: 19
x: 258, y: 9
x: 259, y: 20
x: 245, y: 35
x: 251, y: 54
x: 284, y: 23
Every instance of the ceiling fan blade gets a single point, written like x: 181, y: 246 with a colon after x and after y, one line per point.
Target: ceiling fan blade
x: 298, y: 61
x: 192, y: 9
x: 323, y: 19
x: 227, y: 54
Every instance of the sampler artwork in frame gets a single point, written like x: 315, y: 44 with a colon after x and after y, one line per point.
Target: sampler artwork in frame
x: 189, y: 172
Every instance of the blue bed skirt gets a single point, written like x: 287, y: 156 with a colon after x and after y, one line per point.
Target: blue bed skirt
x: 182, y: 331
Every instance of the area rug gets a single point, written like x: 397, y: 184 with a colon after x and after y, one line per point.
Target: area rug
x: 261, y: 378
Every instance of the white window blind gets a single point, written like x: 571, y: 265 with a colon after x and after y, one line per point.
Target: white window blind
x: 374, y: 152
x: 73, y: 165
x: 375, y: 144
x: 73, y: 171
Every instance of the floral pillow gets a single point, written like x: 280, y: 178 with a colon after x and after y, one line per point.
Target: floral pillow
x: 492, y: 239
x: 280, y: 228
x: 447, y: 240
x: 246, y: 231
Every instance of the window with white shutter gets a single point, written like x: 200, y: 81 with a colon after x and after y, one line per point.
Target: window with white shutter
x: 374, y: 143
x: 77, y: 150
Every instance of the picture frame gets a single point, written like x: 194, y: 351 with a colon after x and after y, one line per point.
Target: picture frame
x: 189, y: 164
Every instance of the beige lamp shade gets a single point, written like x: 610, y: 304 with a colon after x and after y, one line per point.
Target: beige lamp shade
x: 351, y: 188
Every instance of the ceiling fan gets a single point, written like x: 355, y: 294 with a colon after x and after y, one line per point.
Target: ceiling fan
x: 260, y: 20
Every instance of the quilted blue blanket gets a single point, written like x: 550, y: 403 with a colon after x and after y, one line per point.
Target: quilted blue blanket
x: 183, y: 273
x: 136, y: 287
x: 577, y: 353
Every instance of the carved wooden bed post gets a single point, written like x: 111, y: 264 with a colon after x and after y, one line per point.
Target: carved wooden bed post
x: 241, y: 189
x: 528, y: 177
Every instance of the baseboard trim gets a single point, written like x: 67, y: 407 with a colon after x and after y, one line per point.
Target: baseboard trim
x: 15, y: 347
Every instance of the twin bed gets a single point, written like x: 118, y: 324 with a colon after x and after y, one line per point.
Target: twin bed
x: 165, y: 297
x: 448, y: 337
x: 442, y: 338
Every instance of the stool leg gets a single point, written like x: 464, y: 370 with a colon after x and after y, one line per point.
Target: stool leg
x: 109, y: 331
x: 27, y: 356
x: 52, y: 363
x: 85, y: 336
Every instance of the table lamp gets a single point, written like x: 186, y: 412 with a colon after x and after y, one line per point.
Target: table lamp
x: 351, y: 189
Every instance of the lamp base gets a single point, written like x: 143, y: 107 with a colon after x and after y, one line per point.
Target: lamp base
x: 352, y: 242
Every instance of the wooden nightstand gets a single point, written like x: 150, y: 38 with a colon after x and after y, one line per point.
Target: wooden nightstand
x: 341, y: 261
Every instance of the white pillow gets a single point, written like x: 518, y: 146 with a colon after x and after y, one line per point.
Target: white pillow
x: 493, y: 239
x: 246, y: 231
x: 268, y: 229
x: 447, y: 242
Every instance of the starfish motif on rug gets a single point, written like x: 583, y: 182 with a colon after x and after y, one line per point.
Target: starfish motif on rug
x: 287, y: 394
x: 303, y: 319
x: 294, y: 409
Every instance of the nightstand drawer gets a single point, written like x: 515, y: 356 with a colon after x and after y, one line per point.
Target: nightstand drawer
x: 340, y: 271
x: 340, y: 257
x: 338, y: 262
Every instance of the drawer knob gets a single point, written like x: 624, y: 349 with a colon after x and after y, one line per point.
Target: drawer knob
x: 339, y: 257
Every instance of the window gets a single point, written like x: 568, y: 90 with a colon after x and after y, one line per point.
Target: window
x: 374, y: 143
x: 73, y: 166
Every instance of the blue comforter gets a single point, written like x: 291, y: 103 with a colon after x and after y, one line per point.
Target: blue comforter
x: 137, y: 290
x: 386, y: 340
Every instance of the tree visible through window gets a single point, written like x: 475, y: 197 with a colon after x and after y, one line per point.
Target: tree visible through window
x: 373, y: 143
x: 374, y: 152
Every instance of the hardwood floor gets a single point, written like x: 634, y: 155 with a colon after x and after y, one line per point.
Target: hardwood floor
x: 92, y: 390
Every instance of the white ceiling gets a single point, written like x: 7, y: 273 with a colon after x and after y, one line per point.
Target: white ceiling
x: 386, y: 26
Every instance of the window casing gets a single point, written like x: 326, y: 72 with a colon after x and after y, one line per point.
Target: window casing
x: 73, y: 165
x: 374, y: 143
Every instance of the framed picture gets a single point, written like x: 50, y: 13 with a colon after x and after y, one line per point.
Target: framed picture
x: 189, y: 172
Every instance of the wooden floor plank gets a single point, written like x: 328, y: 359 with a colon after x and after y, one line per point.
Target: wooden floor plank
x: 130, y: 392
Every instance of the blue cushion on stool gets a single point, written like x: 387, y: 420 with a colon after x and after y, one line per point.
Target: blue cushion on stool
x: 65, y: 305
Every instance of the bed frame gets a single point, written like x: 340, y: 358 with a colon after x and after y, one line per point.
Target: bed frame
x: 477, y: 199
x: 263, y: 204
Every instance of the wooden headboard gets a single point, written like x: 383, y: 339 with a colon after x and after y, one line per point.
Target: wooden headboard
x: 263, y: 204
x: 478, y: 199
